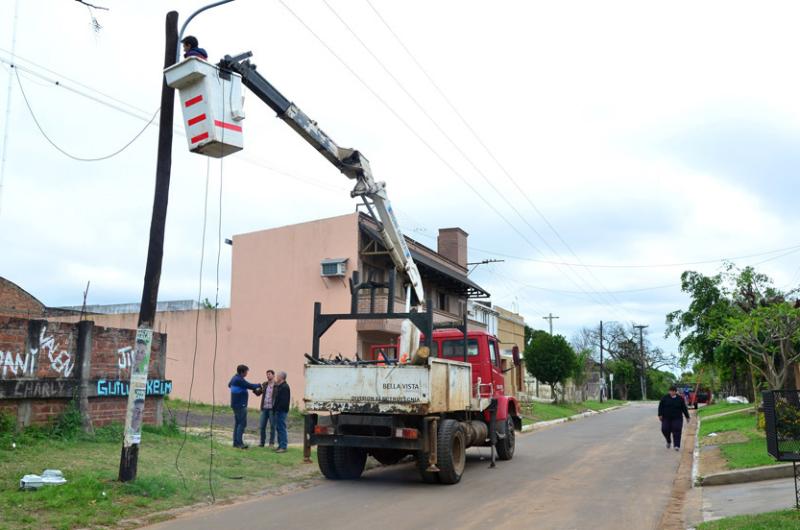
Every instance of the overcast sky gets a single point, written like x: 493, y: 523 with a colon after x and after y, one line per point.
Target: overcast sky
x: 634, y: 135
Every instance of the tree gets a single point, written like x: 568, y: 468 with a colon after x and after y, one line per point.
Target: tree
x: 718, y: 304
x: 580, y: 373
x: 769, y: 336
x: 550, y: 359
x: 624, y: 377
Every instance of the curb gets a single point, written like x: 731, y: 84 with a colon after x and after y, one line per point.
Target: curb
x: 728, y: 413
x: 541, y: 424
x: 696, y: 454
x: 755, y: 474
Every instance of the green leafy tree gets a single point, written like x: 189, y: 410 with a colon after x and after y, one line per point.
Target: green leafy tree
x: 769, y: 336
x: 550, y: 359
x: 625, y: 378
x: 580, y: 373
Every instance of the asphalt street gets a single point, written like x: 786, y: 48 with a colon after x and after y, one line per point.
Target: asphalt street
x: 607, y: 471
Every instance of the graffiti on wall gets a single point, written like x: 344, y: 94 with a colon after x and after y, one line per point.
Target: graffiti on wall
x: 155, y: 387
x: 38, y: 389
x: 17, y: 365
x: 61, y: 361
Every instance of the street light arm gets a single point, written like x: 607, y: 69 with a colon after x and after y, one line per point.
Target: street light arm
x: 183, y: 27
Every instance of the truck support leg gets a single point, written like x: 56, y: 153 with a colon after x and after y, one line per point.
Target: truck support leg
x: 433, y: 436
x: 492, y: 429
x: 308, y: 428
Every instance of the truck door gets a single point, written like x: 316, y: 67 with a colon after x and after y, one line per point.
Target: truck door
x: 497, y: 372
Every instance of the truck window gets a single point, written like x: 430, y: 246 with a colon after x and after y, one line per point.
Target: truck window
x: 493, y: 352
x: 455, y: 348
x: 434, y: 349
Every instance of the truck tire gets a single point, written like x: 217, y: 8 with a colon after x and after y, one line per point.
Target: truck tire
x: 505, y: 446
x: 451, y: 453
x: 387, y: 457
x: 422, y: 465
x: 326, y: 463
x: 349, y: 462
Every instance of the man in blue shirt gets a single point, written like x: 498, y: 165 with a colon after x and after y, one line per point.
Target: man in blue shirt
x: 239, y: 387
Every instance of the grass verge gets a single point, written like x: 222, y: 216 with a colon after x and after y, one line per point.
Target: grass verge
x: 719, y: 408
x: 739, y: 454
x: 783, y: 520
x: 92, y: 497
x: 533, y: 412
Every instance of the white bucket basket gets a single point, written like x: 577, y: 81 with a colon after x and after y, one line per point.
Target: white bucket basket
x: 212, y: 106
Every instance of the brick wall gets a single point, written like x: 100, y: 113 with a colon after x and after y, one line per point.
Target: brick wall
x: 15, y: 301
x: 41, y: 370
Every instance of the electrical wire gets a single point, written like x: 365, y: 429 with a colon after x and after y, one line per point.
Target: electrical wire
x: 429, y: 146
x: 488, y: 151
x: 67, y: 154
x: 196, y: 324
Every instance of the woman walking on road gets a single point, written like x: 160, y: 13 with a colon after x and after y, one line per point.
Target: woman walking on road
x: 670, y: 409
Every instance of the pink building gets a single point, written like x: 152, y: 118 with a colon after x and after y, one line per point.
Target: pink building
x: 278, y: 274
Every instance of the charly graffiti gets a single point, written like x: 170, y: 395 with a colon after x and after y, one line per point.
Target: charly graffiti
x: 155, y: 387
x: 17, y: 364
x: 38, y: 388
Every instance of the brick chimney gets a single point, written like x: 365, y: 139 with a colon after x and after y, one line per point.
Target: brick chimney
x: 452, y: 244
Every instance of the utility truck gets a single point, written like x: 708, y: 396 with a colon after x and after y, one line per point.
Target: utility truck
x: 431, y: 401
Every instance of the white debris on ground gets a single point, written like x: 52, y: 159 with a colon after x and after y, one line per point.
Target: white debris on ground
x: 49, y: 477
x: 736, y: 399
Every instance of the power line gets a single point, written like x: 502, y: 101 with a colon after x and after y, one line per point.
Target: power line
x: 70, y: 155
x: 424, y: 142
x: 496, y: 160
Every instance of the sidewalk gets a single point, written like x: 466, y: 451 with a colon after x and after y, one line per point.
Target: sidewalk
x: 747, y: 498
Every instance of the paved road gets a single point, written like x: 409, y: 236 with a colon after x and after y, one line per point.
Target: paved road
x: 608, y: 471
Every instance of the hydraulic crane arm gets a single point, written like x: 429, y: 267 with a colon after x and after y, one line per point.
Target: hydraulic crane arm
x: 349, y: 161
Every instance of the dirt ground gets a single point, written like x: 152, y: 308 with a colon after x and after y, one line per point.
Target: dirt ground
x: 223, y: 425
x: 711, y: 461
x: 681, y: 503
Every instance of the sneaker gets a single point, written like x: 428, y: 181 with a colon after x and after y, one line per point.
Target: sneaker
x: 280, y: 450
x: 272, y: 445
x: 245, y: 446
x: 677, y: 447
x: 261, y: 445
x: 668, y: 444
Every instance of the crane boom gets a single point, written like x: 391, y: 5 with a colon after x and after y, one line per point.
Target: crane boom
x: 349, y: 161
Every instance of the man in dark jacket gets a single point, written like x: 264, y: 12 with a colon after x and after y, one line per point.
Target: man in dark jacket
x: 191, y: 48
x: 239, y: 387
x: 281, y: 400
x: 670, y: 410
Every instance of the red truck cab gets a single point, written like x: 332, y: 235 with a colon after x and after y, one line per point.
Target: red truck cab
x: 483, y: 353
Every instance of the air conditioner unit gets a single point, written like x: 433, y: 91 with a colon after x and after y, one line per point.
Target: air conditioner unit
x: 333, y: 267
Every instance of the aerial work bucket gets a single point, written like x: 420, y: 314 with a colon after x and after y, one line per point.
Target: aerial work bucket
x: 212, y: 106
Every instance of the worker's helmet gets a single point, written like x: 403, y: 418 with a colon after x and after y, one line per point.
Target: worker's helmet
x: 191, y: 41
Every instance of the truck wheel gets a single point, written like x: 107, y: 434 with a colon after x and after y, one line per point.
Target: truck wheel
x: 349, y: 462
x: 505, y: 447
x: 387, y: 457
x: 422, y: 466
x: 326, y: 463
x: 451, y: 452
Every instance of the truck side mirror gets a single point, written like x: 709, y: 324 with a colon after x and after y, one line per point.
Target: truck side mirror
x: 515, y: 356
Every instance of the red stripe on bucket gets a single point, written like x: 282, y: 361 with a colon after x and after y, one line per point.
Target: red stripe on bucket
x: 197, y: 119
x: 196, y: 99
x: 199, y: 137
x: 230, y: 126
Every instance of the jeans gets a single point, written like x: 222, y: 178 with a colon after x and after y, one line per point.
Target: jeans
x: 280, y: 425
x: 267, y: 416
x: 672, y: 426
x: 240, y: 422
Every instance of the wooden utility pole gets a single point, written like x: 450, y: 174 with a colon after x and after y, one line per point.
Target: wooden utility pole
x: 129, y: 458
x: 602, y: 377
x: 550, y: 317
x: 643, y: 375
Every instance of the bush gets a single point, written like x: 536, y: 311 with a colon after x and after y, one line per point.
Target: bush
x: 68, y: 424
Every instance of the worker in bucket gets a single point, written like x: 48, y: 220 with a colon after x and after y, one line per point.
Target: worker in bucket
x: 191, y: 48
